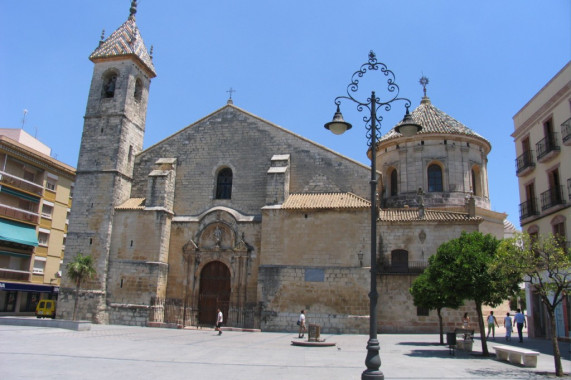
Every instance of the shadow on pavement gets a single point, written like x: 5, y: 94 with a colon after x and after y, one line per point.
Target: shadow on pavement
x: 511, y: 374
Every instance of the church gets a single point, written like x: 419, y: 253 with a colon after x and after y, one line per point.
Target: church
x: 269, y: 225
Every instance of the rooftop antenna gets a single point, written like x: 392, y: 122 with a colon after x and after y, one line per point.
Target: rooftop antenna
x: 24, y: 118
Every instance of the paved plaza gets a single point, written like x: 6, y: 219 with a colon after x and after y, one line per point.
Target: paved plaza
x: 123, y: 352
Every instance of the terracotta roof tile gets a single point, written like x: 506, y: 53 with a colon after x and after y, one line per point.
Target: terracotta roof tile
x: 397, y: 215
x: 126, y: 40
x: 434, y: 121
x: 324, y: 201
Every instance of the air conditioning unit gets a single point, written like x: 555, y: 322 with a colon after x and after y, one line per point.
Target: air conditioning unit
x: 58, y: 274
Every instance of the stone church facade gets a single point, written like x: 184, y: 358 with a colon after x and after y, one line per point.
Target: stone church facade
x: 237, y: 213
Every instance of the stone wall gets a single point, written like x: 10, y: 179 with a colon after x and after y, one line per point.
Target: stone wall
x: 334, y: 298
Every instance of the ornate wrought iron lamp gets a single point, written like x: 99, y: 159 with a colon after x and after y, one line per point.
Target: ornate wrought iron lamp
x: 372, y: 126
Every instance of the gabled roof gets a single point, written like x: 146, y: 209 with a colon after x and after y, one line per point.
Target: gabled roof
x: 435, y: 121
x: 324, y: 201
x: 125, y: 41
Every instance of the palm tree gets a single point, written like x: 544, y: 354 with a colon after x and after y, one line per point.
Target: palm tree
x: 78, y: 269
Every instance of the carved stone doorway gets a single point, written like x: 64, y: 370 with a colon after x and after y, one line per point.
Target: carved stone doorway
x: 214, y: 292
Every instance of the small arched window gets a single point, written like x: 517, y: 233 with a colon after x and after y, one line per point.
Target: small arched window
x: 109, y: 83
x: 394, y: 182
x: 434, y: 178
x: 224, y: 184
x: 138, y: 90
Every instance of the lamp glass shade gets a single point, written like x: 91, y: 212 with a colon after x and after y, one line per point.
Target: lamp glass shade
x: 408, y: 130
x: 338, y: 127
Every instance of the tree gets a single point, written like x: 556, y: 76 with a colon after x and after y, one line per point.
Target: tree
x: 465, y: 267
x: 80, y: 268
x: 426, y: 293
x: 544, y: 263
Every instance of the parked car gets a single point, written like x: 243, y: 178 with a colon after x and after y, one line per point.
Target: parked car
x: 46, y: 309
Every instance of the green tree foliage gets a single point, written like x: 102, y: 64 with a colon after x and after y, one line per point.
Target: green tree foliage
x: 80, y: 268
x: 465, y: 268
x: 545, y: 264
x: 427, y: 293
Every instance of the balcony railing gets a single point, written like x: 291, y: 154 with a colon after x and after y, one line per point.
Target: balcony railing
x: 528, y: 208
x: 547, y: 145
x: 20, y: 183
x: 566, y: 131
x: 14, y: 275
x: 525, y: 161
x: 19, y: 214
x: 552, y: 197
x: 410, y: 267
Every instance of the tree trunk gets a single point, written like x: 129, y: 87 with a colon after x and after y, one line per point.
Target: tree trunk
x: 556, y: 352
x: 482, y: 329
x: 76, y: 300
x: 441, y: 326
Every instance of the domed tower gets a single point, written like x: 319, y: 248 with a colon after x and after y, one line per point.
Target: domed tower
x: 446, y: 159
x: 113, y: 132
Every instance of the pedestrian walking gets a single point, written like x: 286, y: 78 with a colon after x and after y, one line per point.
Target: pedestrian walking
x: 219, y: 320
x: 520, y: 321
x: 509, y: 327
x: 301, y: 323
x: 492, y: 323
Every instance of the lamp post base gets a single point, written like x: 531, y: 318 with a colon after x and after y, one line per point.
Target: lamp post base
x: 373, y: 361
x: 372, y: 375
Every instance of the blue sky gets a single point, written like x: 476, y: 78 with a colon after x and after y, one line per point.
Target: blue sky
x: 287, y: 61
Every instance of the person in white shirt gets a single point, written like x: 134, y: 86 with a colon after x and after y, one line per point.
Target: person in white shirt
x: 509, y: 326
x: 301, y: 323
x: 219, y: 320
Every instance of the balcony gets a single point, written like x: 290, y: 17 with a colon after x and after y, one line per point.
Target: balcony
x: 20, y: 183
x: 410, y: 267
x: 528, y: 209
x: 14, y: 275
x: 524, y: 163
x: 19, y: 214
x: 566, y: 132
x: 547, y: 148
x: 552, y: 197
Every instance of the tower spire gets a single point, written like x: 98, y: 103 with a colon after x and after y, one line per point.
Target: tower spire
x: 133, y: 9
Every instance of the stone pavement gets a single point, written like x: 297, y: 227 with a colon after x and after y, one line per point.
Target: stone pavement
x: 122, y: 352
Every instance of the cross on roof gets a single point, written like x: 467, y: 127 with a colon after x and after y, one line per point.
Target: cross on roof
x: 423, y: 81
x: 230, y: 91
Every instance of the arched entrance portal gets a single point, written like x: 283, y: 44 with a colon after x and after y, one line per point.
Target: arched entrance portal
x: 214, y: 292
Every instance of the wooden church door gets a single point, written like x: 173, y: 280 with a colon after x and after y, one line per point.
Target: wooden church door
x: 214, y: 292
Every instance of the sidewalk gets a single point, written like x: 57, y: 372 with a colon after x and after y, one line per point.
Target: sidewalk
x: 122, y: 352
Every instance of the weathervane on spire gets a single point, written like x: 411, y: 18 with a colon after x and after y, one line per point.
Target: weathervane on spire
x: 423, y: 81
x: 133, y: 9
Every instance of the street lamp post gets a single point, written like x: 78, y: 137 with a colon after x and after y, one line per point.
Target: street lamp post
x: 372, y: 127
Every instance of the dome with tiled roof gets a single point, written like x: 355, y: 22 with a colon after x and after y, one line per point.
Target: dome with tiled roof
x: 435, y: 121
x: 125, y: 41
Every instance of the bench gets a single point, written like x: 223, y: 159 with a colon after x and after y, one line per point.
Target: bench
x: 516, y: 354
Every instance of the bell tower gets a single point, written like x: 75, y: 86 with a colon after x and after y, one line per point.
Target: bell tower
x: 113, y: 131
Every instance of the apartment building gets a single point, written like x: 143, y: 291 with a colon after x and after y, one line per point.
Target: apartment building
x: 543, y: 165
x: 35, y: 199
